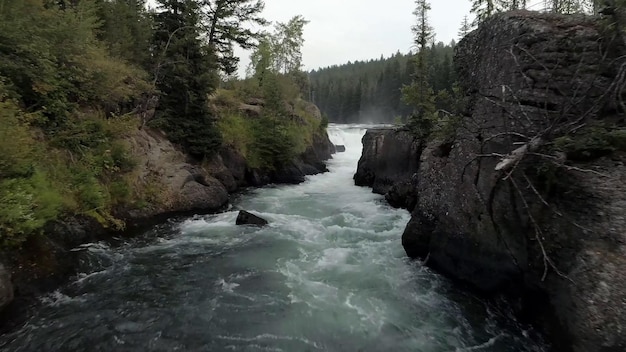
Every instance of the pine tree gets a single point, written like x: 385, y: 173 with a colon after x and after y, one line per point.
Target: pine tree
x: 228, y: 22
x: 419, y: 93
x: 483, y: 9
x: 567, y: 6
x: 183, y: 76
x: 512, y: 4
x: 126, y: 29
x: 466, y: 27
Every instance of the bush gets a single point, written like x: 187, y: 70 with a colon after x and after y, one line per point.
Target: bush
x: 237, y: 132
x: 26, y: 204
x: 592, y: 142
x: 16, y: 142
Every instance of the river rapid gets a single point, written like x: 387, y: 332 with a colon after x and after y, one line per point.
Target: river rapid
x: 328, y: 274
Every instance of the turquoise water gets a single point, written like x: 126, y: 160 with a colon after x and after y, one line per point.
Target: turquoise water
x: 328, y: 274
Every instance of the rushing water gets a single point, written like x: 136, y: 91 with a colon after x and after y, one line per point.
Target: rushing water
x: 328, y: 274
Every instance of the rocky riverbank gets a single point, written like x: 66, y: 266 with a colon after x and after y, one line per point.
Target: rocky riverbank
x: 178, y: 184
x: 520, y: 200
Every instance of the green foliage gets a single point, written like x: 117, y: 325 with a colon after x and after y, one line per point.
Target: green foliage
x: 446, y: 127
x: 16, y: 142
x: 126, y: 30
x: 592, y: 142
x: 237, y: 131
x: 370, y: 91
x: 287, y: 41
x: 273, y: 143
x: 54, y: 63
x: 184, y: 78
x: 617, y: 138
x: 419, y: 93
x: 229, y: 22
x: 273, y: 138
x: 26, y: 204
x: 324, y: 122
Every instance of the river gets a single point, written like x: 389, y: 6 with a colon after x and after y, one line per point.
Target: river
x: 328, y: 274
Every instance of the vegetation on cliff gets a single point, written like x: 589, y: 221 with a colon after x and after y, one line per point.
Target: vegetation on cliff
x: 77, y: 78
x: 265, y: 117
x: 62, y: 99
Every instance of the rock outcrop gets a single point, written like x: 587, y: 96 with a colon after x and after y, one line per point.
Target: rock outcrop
x: 547, y: 230
x: 247, y: 218
x: 389, y: 164
x: 181, y: 184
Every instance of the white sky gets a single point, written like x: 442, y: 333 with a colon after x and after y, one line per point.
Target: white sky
x: 348, y: 30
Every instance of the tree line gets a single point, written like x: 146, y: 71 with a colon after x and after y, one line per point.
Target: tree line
x: 371, y: 91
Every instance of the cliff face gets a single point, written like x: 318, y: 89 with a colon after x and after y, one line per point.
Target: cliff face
x: 548, y: 228
x: 389, y: 165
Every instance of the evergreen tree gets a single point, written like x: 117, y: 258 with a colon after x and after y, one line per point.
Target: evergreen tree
x: 466, y: 27
x: 567, y: 6
x: 184, y: 77
x: 126, y: 29
x: 228, y: 22
x: 512, y: 4
x: 419, y: 93
x: 483, y: 9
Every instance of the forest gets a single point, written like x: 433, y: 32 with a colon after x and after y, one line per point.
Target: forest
x: 370, y: 91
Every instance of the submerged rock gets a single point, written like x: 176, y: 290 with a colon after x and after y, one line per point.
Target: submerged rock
x: 340, y: 148
x: 246, y: 218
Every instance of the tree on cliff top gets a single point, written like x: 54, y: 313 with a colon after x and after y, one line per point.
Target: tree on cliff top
x: 419, y: 93
x: 487, y: 8
x: 466, y: 27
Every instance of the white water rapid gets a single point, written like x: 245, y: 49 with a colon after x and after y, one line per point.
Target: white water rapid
x: 328, y: 274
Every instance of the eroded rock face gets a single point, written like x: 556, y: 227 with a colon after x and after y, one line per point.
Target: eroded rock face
x: 525, y: 74
x: 389, y: 156
x: 184, y: 185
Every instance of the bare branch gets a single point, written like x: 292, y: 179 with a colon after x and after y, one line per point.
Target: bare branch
x: 547, y: 262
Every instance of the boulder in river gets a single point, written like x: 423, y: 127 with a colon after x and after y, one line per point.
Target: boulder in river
x: 340, y: 148
x: 247, y: 218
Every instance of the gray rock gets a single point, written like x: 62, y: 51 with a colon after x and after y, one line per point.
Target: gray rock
x: 389, y: 156
x: 246, y: 218
x: 340, y: 148
x: 6, y: 287
x: 185, y: 185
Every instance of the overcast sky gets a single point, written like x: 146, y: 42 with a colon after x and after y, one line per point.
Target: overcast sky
x: 347, y: 30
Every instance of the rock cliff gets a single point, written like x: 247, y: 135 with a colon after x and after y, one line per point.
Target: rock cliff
x: 541, y: 224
